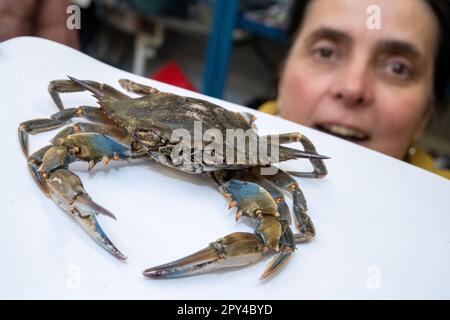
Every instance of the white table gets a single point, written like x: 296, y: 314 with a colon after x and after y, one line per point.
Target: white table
x: 383, y: 226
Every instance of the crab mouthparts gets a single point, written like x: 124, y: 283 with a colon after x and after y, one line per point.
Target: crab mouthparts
x: 343, y: 132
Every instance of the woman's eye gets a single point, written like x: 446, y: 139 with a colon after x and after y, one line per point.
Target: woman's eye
x: 399, y: 70
x: 324, y: 53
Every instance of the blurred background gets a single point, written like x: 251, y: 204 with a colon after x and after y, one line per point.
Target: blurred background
x: 228, y: 49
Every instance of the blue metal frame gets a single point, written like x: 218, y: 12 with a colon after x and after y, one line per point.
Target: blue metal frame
x: 261, y: 29
x: 226, y: 18
x: 219, y: 47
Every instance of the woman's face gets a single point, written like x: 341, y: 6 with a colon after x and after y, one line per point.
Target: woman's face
x: 373, y: 87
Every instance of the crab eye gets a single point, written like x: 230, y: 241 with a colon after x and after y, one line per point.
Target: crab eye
x: 146, y: 136
x: 140, y: 134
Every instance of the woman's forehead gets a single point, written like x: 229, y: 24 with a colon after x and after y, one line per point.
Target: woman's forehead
x: 409, y: 21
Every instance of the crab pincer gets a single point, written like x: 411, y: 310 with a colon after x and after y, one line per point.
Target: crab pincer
x: 66, y: 189
x: 234, y: 250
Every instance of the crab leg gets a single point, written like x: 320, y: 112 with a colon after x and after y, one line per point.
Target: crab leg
x: 36, y: 159
x: 64, y: 115
x: 34, y: 162
x: 287, y: 240
x: 57, y: 120
x: 113, y: 132
x: 319, y: 167
x: 304, y: 224
x: 136, y: 88
x: 62, y: 86
x: 287, y: 247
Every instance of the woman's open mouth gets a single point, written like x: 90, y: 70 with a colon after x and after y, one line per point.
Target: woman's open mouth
x: 344, y: 132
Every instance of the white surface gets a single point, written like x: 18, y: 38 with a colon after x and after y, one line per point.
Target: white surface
x: 383, y: 226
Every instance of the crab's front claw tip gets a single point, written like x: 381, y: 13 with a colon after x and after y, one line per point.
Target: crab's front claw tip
x: 190, y: 265
x: 276, y: 264
x: 23, y: 139
x: 87, y: 205
x: 86, y: 211
x: 72, y: 78
x: 310, y: 155
x: 236, y: 249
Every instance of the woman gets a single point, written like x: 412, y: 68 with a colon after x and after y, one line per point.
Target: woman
x: 375, y: 86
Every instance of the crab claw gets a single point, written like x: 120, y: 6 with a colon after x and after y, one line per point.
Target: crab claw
x: 233, y: 250
x: 67, y: 191
x: 286, y: 153
x: 84, y: 211
x: 277, y: 262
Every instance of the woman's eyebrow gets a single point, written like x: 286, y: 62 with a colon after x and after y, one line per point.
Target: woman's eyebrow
x: 330, y: 34
x: 398, y: 47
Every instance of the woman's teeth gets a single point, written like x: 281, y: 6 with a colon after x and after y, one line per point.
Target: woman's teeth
x: 344, y: 132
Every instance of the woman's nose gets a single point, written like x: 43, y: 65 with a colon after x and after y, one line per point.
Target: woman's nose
x: 353, y: 86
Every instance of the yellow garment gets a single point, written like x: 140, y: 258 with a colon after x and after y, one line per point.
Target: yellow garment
x: 420, y: 158
x: 269, y: 107
x: 417, y: 156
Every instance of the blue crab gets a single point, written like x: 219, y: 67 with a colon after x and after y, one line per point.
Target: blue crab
x: 126, y: 128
